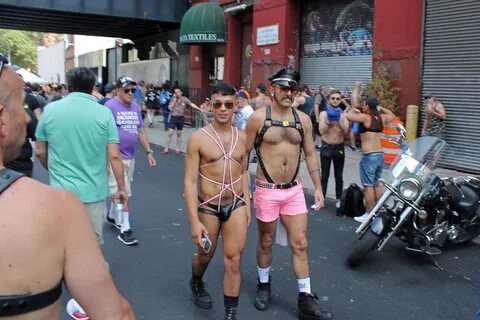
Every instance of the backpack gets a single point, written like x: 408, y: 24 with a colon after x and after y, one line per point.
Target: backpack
x: 351, y: 202
x: 163, y: 98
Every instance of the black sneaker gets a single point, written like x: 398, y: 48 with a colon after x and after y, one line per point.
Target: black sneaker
x: 230, y: 313
x: 264, y: 292
x: 200, y: 295
x: 309, y: 309
x: 127, y: 237
x: 112, y: 222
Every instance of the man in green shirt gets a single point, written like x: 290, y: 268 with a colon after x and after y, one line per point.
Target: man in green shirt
x: 75, y: 137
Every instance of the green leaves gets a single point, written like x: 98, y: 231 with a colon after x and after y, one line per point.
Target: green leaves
x: 22, y: 47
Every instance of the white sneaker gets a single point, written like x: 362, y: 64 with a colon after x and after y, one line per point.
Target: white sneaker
x: 361, y: 218
x: 337, y: 204
x: 75, y: 311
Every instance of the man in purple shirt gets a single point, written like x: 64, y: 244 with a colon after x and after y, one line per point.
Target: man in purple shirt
x: 128, y: 117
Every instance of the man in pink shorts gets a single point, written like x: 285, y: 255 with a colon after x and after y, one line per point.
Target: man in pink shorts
x: 279, y: 133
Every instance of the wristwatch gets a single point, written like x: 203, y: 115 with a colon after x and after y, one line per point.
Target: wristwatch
x: 149, y: 151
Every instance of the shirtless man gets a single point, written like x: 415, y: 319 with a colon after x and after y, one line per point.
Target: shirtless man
x: 261, y: 100
x: 38, y: 256
x: 333, y: 126
x: 371, y: 123
x: 216, y: 194
x: 279, y: 133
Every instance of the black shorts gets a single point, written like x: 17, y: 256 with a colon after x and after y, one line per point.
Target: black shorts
x: 153, y: 106
x: 176, y: 122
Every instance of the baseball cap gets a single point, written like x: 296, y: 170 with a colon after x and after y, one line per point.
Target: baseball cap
x: 372, y: 101
x: 109, y: 87
x: 242, y: 94
x: 124, y: 81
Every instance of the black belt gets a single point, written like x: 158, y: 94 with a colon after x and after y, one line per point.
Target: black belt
x: 282, y: 186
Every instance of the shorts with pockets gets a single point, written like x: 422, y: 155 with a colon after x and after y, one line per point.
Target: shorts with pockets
x: 176, y: 122
x: 371, y: 168
x: 269, y: 204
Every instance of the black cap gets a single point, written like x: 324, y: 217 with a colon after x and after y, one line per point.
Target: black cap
x: 372, y: 102
x: 286, y: 77
x: 124, y: 81
x: 109, y: 87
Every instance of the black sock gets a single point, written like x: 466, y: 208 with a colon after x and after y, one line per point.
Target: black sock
x: 230, y: 301
x: 196, y: 278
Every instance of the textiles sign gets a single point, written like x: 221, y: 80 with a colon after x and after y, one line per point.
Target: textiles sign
x: 201, y: 37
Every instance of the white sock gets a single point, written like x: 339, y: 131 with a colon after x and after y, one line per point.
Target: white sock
x: 125, y: 222
x: 304, y: 285
x: 111, y: 211
x: 263, y: 274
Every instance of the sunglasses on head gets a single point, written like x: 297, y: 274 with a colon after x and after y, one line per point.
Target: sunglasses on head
x: 218, y: 104
x: 3, y: 62
x: 132, y: 90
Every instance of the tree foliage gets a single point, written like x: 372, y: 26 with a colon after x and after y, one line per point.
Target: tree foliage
x: 22, y: 47
x: 381, y: 86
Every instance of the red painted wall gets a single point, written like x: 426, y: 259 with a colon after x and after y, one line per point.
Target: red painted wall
x: 233, y: 49
x: 397, y: 35
x: 270, y: 58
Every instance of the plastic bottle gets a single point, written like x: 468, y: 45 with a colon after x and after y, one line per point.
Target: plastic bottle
x: 118, y: 213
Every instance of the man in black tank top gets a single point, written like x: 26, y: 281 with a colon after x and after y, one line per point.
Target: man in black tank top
x: 279, y: 133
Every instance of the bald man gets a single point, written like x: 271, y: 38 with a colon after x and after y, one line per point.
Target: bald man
x: 39, y: 255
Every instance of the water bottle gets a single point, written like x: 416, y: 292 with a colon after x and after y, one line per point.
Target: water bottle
x: 118, y: 214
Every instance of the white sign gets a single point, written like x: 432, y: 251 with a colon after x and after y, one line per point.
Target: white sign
x: 267, y: 35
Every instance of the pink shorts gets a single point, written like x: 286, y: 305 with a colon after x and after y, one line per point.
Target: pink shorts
x: 269, y: 204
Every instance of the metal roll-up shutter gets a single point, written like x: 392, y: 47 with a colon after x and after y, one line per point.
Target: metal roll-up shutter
x: 451, y: 72
x: 336, y: 43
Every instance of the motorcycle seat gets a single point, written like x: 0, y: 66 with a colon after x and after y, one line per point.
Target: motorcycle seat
x: 474, y: 184
x: 465, y: 201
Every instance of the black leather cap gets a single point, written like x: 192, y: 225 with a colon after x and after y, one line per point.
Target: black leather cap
x: 286, y: 77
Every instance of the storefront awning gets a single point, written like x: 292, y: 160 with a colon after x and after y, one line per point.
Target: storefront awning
x: 203, y: 23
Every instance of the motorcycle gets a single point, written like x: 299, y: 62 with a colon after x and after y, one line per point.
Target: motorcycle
x: 424, y: 211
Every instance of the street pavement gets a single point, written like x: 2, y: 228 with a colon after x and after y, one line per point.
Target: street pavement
x: 393, y: 285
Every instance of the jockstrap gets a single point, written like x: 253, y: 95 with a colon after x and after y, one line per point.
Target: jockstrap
x: 23, y: 303
x: 268, y: 123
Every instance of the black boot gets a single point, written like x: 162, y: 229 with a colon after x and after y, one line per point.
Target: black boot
x: 309, y: 309
x: 262, y: 299
x: 200, y: 295
x: 230, y: 313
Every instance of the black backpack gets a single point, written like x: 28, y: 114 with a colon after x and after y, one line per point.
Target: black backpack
x: 351, y: 203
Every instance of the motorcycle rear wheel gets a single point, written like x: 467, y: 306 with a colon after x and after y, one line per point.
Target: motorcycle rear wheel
x: 363, y: 247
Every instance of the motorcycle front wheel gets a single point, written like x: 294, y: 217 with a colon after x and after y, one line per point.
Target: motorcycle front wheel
x: 362, y: 248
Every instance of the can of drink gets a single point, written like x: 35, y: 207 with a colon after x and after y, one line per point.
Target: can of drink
x: 118, y: 213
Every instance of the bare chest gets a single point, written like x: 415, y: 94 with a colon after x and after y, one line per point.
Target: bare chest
x: 276, y: 135
x: 212, y: 154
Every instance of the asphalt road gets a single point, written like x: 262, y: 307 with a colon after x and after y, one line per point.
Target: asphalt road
x: 393, y: 285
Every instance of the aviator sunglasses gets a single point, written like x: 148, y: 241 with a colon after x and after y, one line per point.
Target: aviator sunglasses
x: 132, y: 90
x: 335, y: 98
x: 218, y: 104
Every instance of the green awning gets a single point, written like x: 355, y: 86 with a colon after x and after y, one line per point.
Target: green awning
x: 203, y: 23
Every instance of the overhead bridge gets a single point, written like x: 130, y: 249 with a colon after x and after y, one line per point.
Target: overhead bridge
x: 131, y: 19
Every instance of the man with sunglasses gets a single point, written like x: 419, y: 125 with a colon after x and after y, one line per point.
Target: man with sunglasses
x: 216, y: 195
x: 177, y: 106
x: 279, y: 133
x: 333, y: 125
x: 128, y: 117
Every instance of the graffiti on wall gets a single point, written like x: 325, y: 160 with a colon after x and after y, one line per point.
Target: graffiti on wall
x: 337, y: 28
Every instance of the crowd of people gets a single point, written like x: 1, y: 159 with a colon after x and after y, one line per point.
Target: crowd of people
x: 282, y: 124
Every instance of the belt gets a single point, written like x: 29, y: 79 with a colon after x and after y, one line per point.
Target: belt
x: 282, y: 186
